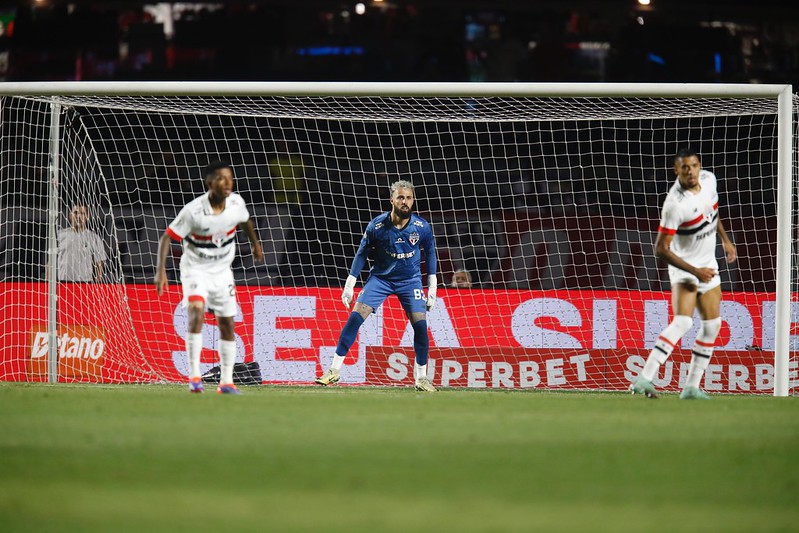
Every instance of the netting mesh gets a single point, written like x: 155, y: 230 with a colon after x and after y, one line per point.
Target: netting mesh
x: 550, y: 204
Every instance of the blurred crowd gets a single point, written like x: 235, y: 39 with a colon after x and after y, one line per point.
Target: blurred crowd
x: 425, y: 40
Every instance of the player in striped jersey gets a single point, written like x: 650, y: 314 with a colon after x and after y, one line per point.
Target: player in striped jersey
x: 686, y: 241
x: 394, y: 242
x: 206, y: 226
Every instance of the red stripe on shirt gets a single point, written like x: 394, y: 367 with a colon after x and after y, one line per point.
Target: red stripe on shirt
x: 209, y: 237
x: 667, y: 231
x: 699, y: 218
x: 175, y: 236
x: 692, y: 222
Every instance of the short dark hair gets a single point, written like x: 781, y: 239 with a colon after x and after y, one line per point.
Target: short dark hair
x: 685, y: 152
x: 212, y: 167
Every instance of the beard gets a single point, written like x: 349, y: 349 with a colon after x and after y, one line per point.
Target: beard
x: 402, y: 215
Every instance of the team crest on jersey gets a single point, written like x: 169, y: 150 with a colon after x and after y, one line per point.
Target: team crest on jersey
x: 219, y: 238
x: 708, y: 214
x: 413, y: 238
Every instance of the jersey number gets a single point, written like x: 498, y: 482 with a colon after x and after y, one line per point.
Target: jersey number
x: 418, y: 294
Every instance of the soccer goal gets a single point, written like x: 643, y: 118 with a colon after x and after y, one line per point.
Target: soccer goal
x: 547, y: 196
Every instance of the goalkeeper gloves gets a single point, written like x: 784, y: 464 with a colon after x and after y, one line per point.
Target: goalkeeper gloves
x: 432, y: 283
x: 347, y: 295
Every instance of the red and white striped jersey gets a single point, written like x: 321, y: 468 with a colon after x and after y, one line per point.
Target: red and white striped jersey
x: 209, y: 240
x: 693, y: 220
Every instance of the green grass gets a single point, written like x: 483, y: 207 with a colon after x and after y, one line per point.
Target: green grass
x: 154, y: 458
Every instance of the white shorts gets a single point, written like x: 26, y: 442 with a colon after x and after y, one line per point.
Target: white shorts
x: 217, y: 290
x: 677, y: 276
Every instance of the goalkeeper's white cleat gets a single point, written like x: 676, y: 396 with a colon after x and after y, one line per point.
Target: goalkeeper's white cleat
x: 328, y: 378
x: 424, y: 385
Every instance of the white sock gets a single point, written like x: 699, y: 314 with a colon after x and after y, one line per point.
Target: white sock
x: 227, y: 357
x: 664, y: 345
x: 194, y: 345
x: 696, y: 370
x: 338, y: 360
x: 702, y: 351
x: 419, y: 371
x: 652, y: 365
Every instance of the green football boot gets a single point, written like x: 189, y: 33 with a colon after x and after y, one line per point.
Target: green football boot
x: 644, y: 387
x: 693, y: 393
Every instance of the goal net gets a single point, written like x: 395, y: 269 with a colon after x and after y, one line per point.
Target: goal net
x: 550, y: 202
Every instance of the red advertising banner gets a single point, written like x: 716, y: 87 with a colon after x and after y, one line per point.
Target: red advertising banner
x: 479, y: 338
x: 519, y: 368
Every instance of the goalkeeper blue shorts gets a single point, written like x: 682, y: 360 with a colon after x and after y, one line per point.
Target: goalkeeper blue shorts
x: 409, y: 292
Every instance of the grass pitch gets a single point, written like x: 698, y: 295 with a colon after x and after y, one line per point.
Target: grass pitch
x: 154, y: 458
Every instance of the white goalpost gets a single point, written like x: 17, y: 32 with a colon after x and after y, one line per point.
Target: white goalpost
x: 548, y: 194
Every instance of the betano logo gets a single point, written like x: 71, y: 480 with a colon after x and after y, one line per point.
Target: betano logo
x: 80, y: 350
x: 68, y: 346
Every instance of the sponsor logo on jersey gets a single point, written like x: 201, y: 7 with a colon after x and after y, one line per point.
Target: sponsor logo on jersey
x: 413, y: 238
x: 399, y: 240
x: 210, y: 257
x: 418, y: 223
x: 711, y: 233
x: 404, y: 255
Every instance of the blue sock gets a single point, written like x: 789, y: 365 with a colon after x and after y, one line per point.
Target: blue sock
x: 421, y: 343
x: 348, y: 334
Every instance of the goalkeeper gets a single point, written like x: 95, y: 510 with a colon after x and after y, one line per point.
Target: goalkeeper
x: 394, y: 242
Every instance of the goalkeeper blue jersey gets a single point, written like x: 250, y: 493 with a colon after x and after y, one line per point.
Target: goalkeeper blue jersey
x: 396, y: 254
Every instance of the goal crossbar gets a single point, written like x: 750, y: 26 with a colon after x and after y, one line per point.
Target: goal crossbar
x: 398, y: 89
